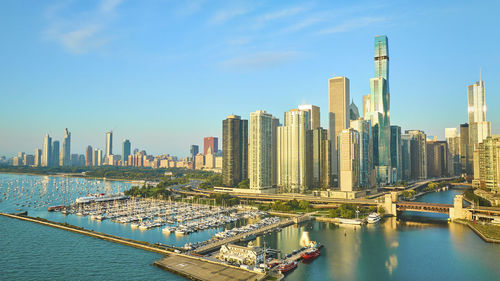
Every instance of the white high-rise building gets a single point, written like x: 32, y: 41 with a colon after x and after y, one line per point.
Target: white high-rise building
x: 314, y: 113
x: 479, y: 128
x: 292, y: 151
x: 47, y: 151
x: 260, y: 150
x: 349, y: 159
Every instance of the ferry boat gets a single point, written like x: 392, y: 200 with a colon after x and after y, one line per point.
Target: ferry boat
x: 311, y: 254
x: 373, y: 218
x: 351, y: 221
x: 55, y: 208
x: 284, y: 268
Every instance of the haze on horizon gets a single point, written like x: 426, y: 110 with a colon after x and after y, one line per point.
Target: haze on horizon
x: 164, y: 74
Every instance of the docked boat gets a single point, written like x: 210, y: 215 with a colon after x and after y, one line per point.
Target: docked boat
x: 284, y: 268
x: 311, y: 254
x: 100, y: 197
x: 55, y: 208
x: 351, y: 221
x: 373, y: 218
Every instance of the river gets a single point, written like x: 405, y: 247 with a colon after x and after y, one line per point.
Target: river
x: 417, y: 247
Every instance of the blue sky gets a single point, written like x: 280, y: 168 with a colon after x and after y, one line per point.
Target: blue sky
x: 165, y: 73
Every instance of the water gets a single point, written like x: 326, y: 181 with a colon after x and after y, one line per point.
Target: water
x: 420, y: 247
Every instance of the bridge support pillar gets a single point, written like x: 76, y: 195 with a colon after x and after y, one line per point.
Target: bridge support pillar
x: 390, y: 203
x: 458, y: 211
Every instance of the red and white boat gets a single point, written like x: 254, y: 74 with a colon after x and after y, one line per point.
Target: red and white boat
x: 284, y: 268
x: 311, y: 254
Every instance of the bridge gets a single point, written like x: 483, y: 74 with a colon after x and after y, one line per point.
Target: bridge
x: 423, y: 207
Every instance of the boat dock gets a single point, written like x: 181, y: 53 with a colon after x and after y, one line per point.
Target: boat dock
x: 217, y: 244
x: 297, y: 256
x: 196, y: 268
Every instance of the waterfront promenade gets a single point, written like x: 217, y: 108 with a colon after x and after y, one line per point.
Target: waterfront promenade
x: 212, y: 270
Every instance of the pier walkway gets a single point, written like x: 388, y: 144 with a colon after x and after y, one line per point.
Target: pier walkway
x: 217, y: 244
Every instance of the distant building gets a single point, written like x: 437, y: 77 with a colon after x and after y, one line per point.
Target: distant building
x: 28, y: 160
x: 193, y: 150
x: 453, y: 140
x: 235, y: 150
x: 354, y: 111
x: 109, y: 143
x: 487, y: 164
x: 38, y: 157
x: 199, y: 161
x: 465, y: 149
x: 212, y: 143
x: 406, y: 156
x: 88, y: 156
x: 66, y: 149
x: 55, y: 154
x: 319, y: 160
x: 364, y: 128
x: 348, y: 141
x: 46, y: 151
x: 209, y: 159
x: 125, y: 151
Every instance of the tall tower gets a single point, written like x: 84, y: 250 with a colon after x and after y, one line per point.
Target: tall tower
x: 212, y: 143
x: 88, y: 156
x: 66, y: 149
x: 314, y: 113
x: 260, y: 150
x: 349, y: 159
x: 338, y: 114
x: 46, y: 151
x: 109, y: 144
x: 125, y: 151
x: 293, y: 169
x: 235, y: 150
x: 379, y: 114
x: 55, y: 154
x: 479, y: 128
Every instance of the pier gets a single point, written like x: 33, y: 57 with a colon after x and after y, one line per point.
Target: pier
x: 178, y: 263
x: 217, y: 244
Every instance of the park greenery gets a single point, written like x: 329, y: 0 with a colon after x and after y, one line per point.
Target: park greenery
x: 348, y: 211
x: 408, y: 194
x: 289, y: 206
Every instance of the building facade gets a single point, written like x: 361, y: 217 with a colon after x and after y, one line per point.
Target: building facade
x: 234, y: 150
x: 260, y: 150
x: 348, y: 141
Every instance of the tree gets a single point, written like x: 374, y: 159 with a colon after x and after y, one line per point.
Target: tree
x: 304, y: 205
x: 244, y: 184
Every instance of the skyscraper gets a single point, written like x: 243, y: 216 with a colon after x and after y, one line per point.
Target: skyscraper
x: 88, y: 156
x: 46, y: 151
x: 260, y: 152
x: 125, y: 151
x: 109, y: 143
x: 453, y: 139
x: 210, y: 142
x: 38, y: 157
x: 193, y: 150
x: 396, y: 157
x: 465, y: 151
x: 406, y: 156
x: 479, y: 128
x: 338, y: 114
x: 274, y: 157
x: 380, y: 110
x: 418, y: 151
x: 437, y: 160
x: 354, y: 111
x: 349, y: 159
x: 363, y: 127
x: 235, y: 150
x: 66, y: 149
x: 292, y: 161
x: 55, y: 154
x: 314, y: 113
x: 318, y: 156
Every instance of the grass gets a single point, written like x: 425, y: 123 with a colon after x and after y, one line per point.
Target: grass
x: 488, y: 230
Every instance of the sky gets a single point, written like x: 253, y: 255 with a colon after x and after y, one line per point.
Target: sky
x: 165, y: 73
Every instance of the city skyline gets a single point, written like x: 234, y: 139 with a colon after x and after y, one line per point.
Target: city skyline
x: 349, y: 53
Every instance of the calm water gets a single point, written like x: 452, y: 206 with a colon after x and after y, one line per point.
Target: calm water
x: 419, y: 247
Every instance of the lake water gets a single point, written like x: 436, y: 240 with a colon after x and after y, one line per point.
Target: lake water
x: 417, y: 247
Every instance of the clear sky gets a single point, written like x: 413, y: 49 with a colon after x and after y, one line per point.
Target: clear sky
x: 164, y: 74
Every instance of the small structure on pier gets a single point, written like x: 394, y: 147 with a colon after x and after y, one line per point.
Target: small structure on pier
x: 250, y: 255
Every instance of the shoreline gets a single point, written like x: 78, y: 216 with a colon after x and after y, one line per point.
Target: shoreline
x: 76, y: 176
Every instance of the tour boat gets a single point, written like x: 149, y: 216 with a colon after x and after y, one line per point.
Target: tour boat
x: 351, y: 221
x: 311, y: 254
x: 284, y: 268
x: 373, y: 218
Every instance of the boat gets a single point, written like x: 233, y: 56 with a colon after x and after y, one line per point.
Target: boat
x: 100, y: 197
x: 373, y: 218
x: 311, y: 254
x: 55, y: 208
x: 284, y: 268
x: 351, y: 221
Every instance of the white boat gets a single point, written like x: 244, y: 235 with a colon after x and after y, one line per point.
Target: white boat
x: 351, y: 221
x: 373, y: 218
x: 180, y: 232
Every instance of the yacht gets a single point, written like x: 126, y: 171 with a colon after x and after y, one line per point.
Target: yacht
x: 373, y: 218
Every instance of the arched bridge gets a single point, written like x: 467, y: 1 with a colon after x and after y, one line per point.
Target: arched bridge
x: 423, y: 207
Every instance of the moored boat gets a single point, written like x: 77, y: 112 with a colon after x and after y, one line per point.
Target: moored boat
x: 373, y: 218
x: 284, y: 268
x: 311, y: 254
